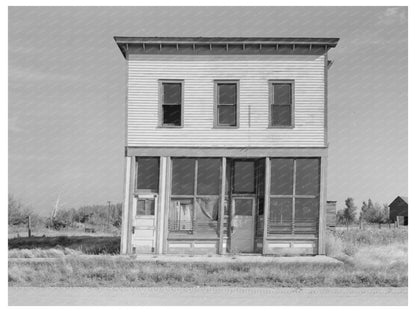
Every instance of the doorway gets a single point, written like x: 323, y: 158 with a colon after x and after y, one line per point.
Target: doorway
x: 245, y: 190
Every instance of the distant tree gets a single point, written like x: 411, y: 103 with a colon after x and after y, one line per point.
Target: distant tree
x: 374, y: 213
x: 350, y: 211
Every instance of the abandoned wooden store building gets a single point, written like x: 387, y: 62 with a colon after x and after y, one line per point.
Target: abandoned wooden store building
x: 226, y: 145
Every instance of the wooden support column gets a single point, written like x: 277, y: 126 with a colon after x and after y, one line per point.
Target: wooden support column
x: 222, y: 203
x: 130, y: 203
x: 160, y: 216
x: 166, y: 199
x: 322, y: 207
x: 266, y: 203
x: 125, y: 212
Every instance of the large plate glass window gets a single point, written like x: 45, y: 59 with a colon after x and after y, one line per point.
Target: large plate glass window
x: 195, y: 196
x: 294, y: 195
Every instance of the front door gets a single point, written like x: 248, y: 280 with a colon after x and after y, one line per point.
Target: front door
x: 144, y: 223
x: 243, y: 224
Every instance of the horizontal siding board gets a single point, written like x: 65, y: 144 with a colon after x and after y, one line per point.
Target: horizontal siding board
x: 199, y: 73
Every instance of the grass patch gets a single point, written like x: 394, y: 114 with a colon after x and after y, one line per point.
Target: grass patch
x: 115, y: 271
x: 92, y: 245
x: 372, y: 258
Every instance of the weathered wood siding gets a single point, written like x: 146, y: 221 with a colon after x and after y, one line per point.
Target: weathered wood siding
x: 199, y: 72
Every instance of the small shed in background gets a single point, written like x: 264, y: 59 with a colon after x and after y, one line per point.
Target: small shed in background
x: 331, y: 213
x: 398, y: 210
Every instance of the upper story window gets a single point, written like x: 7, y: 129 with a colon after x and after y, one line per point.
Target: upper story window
x: 226, y: 104
x: 281, y: 103
x: 171, y: 98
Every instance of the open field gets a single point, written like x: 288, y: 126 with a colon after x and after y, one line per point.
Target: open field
x: 372, y: 258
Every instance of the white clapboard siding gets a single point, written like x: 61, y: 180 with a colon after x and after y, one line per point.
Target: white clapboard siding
x: 198, y: 73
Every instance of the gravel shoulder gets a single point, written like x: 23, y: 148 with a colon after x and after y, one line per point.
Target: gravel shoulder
x: 210, y: 296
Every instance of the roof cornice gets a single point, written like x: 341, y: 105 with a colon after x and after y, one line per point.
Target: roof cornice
x: 224, y: 45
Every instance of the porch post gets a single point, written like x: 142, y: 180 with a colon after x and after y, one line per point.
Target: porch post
x: 266, y: 204
x: 161, y: 206
x: 167, y: 203
x: 222, y: 199
x: 322, y: 207
x: 130, y: 203
x: 125, y: 211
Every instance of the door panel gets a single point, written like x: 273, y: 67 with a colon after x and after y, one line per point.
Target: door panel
x: 144, y: 224
x: 242, y: 224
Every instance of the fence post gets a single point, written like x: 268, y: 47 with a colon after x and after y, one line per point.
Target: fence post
x: 29, y: 231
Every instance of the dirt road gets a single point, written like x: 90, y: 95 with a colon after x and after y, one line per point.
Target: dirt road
x: 29, y: 296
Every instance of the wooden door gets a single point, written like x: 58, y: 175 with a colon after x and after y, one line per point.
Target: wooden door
x: 144, y: 224
x: 243, y: 225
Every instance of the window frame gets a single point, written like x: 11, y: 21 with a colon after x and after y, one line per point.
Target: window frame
x: 295, y: 196
x: 292, y: 104
x: 194, y: 196
x: 216, y: 103
x: 161, y: 102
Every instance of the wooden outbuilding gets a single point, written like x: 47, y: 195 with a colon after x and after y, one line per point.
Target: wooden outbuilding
x: 226, y: 145
x: 399, y: 210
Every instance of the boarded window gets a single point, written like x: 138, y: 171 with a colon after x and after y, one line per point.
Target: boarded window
x: 148, y: 173
x: 307, y: 176
x: 208, y: 176
x: 281, y: 176
x: 244, y: 175
x: 171, y: 104
x: 281, y: 104
x: 227, y: 94
x: 183, y: 174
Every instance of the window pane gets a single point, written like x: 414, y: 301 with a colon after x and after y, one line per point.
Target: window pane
x: 145, y: 207
x: 181, y: 215
x: 172, y: 93
x: 183, y: 175
x: 307, y: 176
x: 282, y: 94
x: 243, y: 207
x: 208, y: 176
x: 148, y: 173
x: 244, y: 177
x: 227, y: 115
x: 306, y: 209
x: 206, y: 209
x: 281, y: 115
x: 281, y: 210
x: 227, y: 93
x: 172, y: 115
x: 281, y: 176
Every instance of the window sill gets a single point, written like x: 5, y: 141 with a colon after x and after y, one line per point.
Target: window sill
x: 171, y: 127
x: 225, y: 127
x: 280, y: 127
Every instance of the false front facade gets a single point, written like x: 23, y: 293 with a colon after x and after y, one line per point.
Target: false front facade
x: 226, y: 145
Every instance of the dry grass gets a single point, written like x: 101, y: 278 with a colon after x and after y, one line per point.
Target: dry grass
x: 93, y: 245
x: 372, y: 258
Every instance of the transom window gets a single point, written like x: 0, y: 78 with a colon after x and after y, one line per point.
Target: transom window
x: 148, y: 174
x: 171, y: 103
x: 226, y: 103
x: 281, y: 103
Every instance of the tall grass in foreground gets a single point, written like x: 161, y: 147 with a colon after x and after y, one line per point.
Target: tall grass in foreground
x: 372, y: 258
x: 125, y: 272
x: 371, y: 248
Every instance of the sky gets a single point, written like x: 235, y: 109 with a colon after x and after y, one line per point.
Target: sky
x: 67, y: 88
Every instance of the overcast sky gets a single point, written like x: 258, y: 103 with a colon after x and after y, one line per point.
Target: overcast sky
x: 67, y: 89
